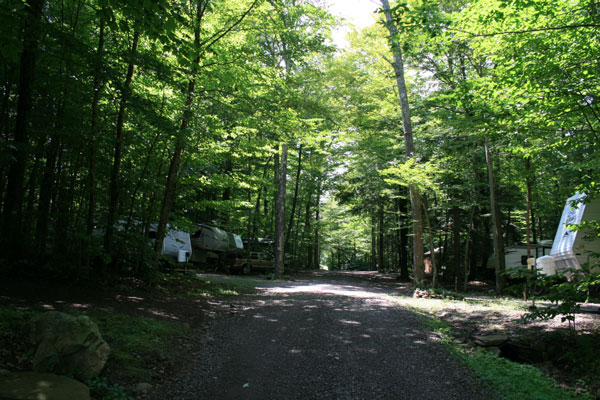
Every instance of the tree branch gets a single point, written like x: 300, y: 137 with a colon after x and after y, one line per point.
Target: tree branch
x: 535, y: 30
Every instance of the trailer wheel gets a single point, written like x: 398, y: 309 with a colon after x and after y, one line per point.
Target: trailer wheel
x: 246, y: 268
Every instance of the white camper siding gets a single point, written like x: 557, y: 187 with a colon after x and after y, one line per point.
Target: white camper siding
x: 588, y: 242
x: 176, y: 241
x: 572, y: 248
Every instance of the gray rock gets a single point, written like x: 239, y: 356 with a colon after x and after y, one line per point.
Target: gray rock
x: 67, y: 345
x: 493, y: 350
x: 143, y: 387
x: 490, y: 340
x: 35, y: 386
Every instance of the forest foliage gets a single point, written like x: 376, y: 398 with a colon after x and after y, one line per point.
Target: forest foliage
x: 117, y: 115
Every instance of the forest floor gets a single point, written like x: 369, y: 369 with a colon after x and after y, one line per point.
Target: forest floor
x: 344, y: 335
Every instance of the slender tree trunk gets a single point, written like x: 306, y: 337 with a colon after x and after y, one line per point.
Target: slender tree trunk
x: 416, y: 208
x: 431, y: 244
x: 280, y: 215
x: 467, y: 258
x: 380, y: 241
x: 32, y: 194
x: 307, y: 231
x: 65, y: 201
x: 97, y: 87
x: 528, y: 218
x: 143, y: 174
x: 317, y: 243
x: 403, y: 204
x: 534, y: 235
x: 374, y: 257
x: 169, y: 196
x: 498, y: 243
x: 116, y: 169
x: 12, y: 232
x: 456, y: 245
x: 528, y: 199
x: 253, y: 231
x: 46, y: 192
x: 295, y: 198
x: 275, y: 192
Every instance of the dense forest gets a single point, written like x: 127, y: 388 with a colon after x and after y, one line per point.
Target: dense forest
x: 451, y: 125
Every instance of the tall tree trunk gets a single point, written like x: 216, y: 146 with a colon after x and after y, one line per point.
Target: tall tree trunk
x: 528, y: 218
x: 66, y: 192
x: 457, y: 262
x: 498, y: 243
x: 431, y: 243
x: 403, y: 209
x: 528, y: 199
x: 280, y: 215
x: 169, y: 195
x: 32, y: 193
x: 12, y: 232
x: 317, y: 243
x: 143, y: 175
x: 46, y: 192
x: 116, y: 169
x: 467, y: 258
x: 416, y: 208
x: 295, y: 198
x: 374, y: 257
x: 307, y: 231
x: 273, y: 216
x: 254, y: 229
x: 380, y: 241
x: 97, y: 86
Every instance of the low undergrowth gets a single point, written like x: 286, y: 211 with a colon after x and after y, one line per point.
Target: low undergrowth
x: 509, y: 380
x: 194, y: 285
x: 141, y: 346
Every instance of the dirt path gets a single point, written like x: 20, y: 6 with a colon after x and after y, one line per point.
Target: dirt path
x: 320, y: 337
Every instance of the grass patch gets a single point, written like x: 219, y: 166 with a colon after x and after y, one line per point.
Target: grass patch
x: 513, y: 381
x: 507, y: 379
x: 12, y: 320
x: 196, y: 286
x: 136, y: 343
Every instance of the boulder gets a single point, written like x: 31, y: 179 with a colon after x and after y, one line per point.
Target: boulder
x: 490, y: 340
x: 143, y: 387
x: 36, y: 386
x: 65, y: 344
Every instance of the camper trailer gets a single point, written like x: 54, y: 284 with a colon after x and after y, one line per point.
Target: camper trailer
x: 515, y: 256
x: 211, y: 244
x: 572, y: 247
x: 176, y: 244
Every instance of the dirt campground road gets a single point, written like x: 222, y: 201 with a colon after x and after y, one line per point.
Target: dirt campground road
x: 323, y: 336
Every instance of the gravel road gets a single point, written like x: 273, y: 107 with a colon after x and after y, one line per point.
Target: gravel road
x: 320, y: 337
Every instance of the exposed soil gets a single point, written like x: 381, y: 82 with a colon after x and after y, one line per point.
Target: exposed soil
x: 321, y: 335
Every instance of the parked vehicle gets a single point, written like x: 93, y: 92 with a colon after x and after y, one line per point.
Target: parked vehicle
x: 214, y: 246
x: 177, y: 244
x: 253, y: 262
x: 515, y: 256
x: 574, y: 247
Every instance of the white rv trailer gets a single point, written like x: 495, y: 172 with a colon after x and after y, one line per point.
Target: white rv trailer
x: 177, y: 244
x: 573, y: 247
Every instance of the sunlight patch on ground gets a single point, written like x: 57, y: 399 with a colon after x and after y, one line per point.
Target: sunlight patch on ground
x: 348, y: 322
x: 339, y: 290
x: 160, y: 313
